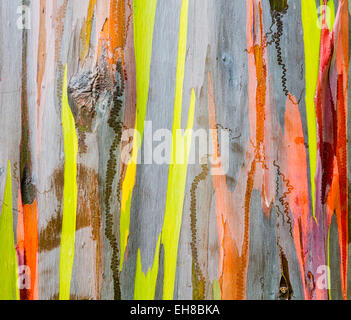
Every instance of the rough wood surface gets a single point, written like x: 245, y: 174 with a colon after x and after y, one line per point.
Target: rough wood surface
x: 242, y: 234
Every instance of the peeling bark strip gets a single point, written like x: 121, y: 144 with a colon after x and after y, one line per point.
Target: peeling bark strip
x: 232, y: 256
x: 27, y: 231
x: 180, y: 152
x: 77, y: 222
x: 143, y: 19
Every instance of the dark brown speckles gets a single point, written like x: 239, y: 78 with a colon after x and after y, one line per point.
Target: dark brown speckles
x: 89, y: 207
x: 82, y: 147
x: 198, y: 279
x: 50, y: 237
x: 88, y: 210
x: 58, y: 182
x: 111, y: 171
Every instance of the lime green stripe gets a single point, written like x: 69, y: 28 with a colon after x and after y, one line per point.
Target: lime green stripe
x: 144, y: 21
x: 70, y: 141
x: 216, y: 290
x: 331, y: 6
x: 8, y: 256
x: 145, y: 286
x: 144, y: 13
x: 179, y: 164
x: 311, y: 35
x: 181, y: 144
x: 330, y: 23
x: 174, y: 203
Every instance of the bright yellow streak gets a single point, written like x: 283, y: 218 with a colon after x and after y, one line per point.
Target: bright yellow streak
x: 86, y: 31
x: 216, y: 290
x: 311, y: 35
x: 145, y: 286
x: 68, y: 233
x: 331, y: 6
x: 144, y: 19
x: 180, y: 151
x: 8, y: 257
x: 179, y: 164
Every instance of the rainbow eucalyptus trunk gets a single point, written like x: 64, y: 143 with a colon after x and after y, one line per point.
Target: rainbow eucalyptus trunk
x: 174, y: 149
